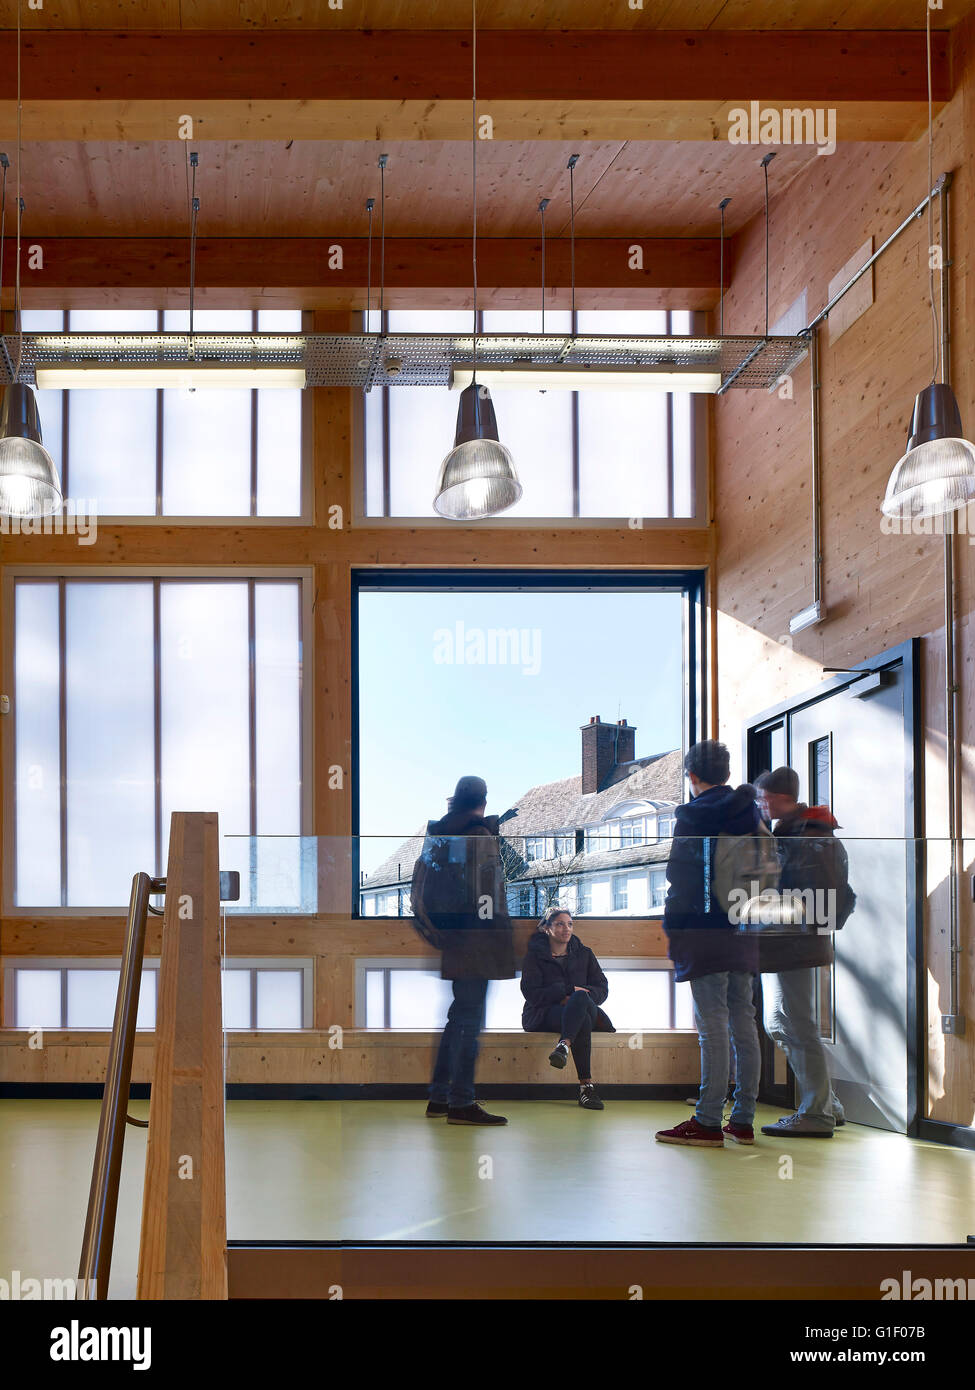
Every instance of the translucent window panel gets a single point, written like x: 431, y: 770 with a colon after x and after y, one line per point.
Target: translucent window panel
x: 639, y: 999
x: 623, y: 453
x: 38, y: 998
x: 279, y: 999
x: 209, y: 321
x: 91, y: 998
x: 373, y: 412
x: 375, y: 998
x: 422, y: 422
x: 38, y: 758
x: 279, y: 321
x: 527, y: 321
x: 236, y: 987
x: 680, y: 321
x: 683, y: 1005
x: 113, y: 321
x: 418, y: 999
x: 536, y: 426
x: 204, y: 700
x: 683, y: 446
x: 278, y: 453
x: 431, y: 321
x: 505, y: 1002
x: 112, y: 450
x: 207, y: 452
x: 650, y: 323
x: 43, y: 320
x: 146, y: 1017
x: 277, y: 659
x: 109, y: 739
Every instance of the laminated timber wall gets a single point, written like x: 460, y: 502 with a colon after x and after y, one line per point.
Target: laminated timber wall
x: 333, y: 939
x: 879, y: 589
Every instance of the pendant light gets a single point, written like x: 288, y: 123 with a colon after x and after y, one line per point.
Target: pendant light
x: 936, y: 475
x: 29, y: 483
x: 477, y: 478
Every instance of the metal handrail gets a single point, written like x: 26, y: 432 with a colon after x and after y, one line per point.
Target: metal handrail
x: 96, y: 1248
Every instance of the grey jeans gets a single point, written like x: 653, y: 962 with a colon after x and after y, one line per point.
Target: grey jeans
x: 789, y: 1009
x: 722, y: 1005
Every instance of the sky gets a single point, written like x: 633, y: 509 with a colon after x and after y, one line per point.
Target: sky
x: 427, y: 718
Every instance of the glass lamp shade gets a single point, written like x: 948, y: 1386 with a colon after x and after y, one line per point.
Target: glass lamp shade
x: 29, y: 483
x: 477, y: 478
x: 937, y: 472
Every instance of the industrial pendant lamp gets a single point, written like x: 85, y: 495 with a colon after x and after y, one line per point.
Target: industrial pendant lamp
x: 29, y: 483
x: 477, y: 478
x: 936, y: 475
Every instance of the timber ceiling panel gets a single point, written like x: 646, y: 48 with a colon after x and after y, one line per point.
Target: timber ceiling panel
x: 262, y: 189
x: 499, y: 14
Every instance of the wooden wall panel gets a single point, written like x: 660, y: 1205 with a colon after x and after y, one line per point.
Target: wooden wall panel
x: 879, y: 588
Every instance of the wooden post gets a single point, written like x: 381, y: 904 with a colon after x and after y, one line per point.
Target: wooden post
x: 183, y: 1252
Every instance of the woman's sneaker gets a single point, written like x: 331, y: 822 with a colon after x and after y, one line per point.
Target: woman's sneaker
x: 588, y: 1098
x: 690, y: 1132
x: 560, y: 1056
x: 739, y: 1134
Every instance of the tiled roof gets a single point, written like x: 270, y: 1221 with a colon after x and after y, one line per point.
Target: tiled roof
x: 562, y: 805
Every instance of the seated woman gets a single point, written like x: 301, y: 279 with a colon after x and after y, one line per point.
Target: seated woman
x: 563, y: 988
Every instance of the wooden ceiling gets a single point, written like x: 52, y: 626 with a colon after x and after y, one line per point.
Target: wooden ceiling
x: 291, y: 108
x: 496, y: 14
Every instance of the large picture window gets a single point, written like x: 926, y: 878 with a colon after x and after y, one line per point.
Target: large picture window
x: 508, y: 677
x: 590, y: 454
x: 174, y: 452
x: 134, y: 698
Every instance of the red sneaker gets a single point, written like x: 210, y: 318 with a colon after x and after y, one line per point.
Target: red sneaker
x: 690, y: 1132
x: 740, y: 1134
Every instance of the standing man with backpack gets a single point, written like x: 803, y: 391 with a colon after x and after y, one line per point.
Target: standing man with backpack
x: 720, y: 846
x: 815, y: 865
x: 460, y: 906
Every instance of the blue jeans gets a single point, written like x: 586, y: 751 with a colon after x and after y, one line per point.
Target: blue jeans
x: 453, y: 1074
x: 789, y: 1009
x: 723, y: 1002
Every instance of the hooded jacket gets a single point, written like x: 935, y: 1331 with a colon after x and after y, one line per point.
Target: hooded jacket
x: 459, y: 901
x: 545, y: 980
x: 701, y: 937
x: 799, y: 840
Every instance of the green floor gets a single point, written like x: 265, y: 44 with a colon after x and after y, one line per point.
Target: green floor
x: 377, y: 1170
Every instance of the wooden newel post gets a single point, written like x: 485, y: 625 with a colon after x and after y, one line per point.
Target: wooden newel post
x: 183, y: 1251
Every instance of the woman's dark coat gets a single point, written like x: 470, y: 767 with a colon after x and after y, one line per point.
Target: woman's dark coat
x: 543, y: 981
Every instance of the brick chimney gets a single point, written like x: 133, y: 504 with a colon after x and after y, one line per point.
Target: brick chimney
x: 604, y: 747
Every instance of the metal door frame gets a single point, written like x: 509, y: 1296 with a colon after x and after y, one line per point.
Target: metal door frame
x: 907, y: 656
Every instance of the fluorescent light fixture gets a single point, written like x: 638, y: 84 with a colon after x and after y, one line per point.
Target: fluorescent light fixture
x: 116, y: 376
x: 576, y: 377
x: 815, y: 613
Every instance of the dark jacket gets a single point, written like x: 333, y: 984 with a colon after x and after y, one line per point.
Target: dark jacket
x: 701, y: 937
x: 799, y: 842
x: 459, y: 901
x: 546, y: 981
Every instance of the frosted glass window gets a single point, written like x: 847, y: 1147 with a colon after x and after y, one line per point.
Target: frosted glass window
x: 91, y: 998
x: 109, y: 739
x: 639, y: 999
x: 505, y: 1002
x: 207, y: 452
x: 112, y: 450
x: 209, y: 321
x: 279, y: 321
x: 623, y: 453
x: 683, y: 427
x: 418, y: 999
x: 38, y: 765
x: 279, y: 999
x: 684, y: 1005
x: 38, y: 998
x: 374, y: 452
x: 146, y: 1017
x: 236, y: 989
x: 375, y: 998
x: 43, y: 320
x: 422, y: 423
x: 204, y: 698
x: 459, y: 321
x: 278, y: 453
